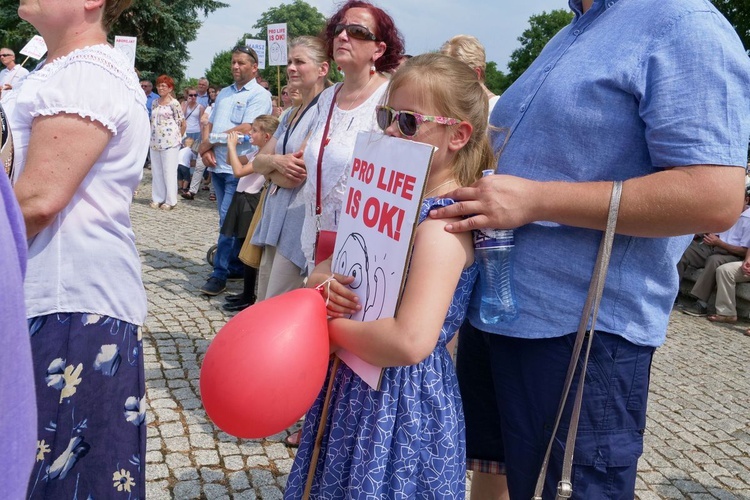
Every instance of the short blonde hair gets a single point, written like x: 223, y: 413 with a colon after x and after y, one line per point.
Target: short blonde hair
x: 468, y: 49
x: 266, y: 123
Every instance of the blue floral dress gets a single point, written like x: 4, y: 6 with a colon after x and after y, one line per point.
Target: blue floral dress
x: 406, y: 440
x: 91, y: 402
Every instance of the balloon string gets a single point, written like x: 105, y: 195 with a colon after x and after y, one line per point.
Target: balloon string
x: 327, y: 285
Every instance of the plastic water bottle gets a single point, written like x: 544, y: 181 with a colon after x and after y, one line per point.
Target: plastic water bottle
x: 221, y: 138
x: 492, y: 250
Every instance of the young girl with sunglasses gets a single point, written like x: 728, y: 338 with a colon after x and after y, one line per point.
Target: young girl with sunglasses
x: 407, y: 439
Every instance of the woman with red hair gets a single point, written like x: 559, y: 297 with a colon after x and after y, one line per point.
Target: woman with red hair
x: 167, y: 127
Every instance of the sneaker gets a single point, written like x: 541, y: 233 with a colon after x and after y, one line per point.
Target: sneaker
x: 153, y: 204
x: 214, y: 286
x: 695, y: 309
x: 187, y: 195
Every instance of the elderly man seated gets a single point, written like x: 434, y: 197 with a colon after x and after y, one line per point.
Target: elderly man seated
x: 727, y: 277
x: 710, y: 251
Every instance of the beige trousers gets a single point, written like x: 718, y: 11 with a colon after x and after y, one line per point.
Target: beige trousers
x: 727, y: 277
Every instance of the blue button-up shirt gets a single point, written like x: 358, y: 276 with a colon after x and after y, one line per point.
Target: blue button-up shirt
x: 627, y: 89
x: 150, y: 98
x: 234, y: 106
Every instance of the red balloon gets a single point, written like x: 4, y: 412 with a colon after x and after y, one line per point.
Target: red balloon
x: 267, y: 365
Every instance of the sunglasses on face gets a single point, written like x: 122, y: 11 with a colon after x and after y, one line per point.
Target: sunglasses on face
x: 192, y: 95
x: 247, y: 50
x: 408, y: 121
x: 356, y: 31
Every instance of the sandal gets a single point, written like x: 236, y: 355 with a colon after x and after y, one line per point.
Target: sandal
x: 718, y: 318
x: 212, y: 197
x: 292, y: 440
x: 747, y: 333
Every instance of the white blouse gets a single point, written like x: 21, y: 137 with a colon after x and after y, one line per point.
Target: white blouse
x: 343, y: 130
x: 86, y: 260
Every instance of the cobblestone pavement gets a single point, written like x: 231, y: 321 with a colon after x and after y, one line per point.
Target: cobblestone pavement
x: 697, y: 444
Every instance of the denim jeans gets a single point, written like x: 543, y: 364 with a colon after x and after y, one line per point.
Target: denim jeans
x: 228, y: 247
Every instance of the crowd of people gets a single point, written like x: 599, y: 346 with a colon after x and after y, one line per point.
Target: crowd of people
x: 672, y: 84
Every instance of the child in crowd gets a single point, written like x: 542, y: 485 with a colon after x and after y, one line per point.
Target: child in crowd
x: 245, y: 201
x: 406, y: 440
x: 185, y: 165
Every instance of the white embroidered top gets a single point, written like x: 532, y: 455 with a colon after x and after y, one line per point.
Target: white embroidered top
x: 343, y: 130
x: 86, y: 260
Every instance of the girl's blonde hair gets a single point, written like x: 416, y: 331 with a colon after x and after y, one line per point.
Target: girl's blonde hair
x: 452, y: 89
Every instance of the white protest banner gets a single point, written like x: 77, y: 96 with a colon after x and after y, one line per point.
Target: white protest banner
x: 376, y: 231
x: 36, y: 48
x: 276, y: 44
x: 126, y: 45
x: 259, y: 46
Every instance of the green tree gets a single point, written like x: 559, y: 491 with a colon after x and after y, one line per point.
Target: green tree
x: 737, y: 13
x: 300, y: 17
x: 542, y: 28
x: 494, y: 79
x: 220, y: 71
x: 163, y: 27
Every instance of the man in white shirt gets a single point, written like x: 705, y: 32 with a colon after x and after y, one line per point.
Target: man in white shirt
x: 13, y: 72
x: 710, y: 252
x: 202, y: 98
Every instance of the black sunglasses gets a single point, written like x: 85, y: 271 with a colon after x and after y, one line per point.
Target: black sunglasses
x: 246, y: 50
x: 356, y: 31
x: 408, y: 121
x: 192, y: 95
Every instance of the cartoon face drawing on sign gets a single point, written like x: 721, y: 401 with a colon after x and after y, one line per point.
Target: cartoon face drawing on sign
x: 369, y: 280
x: 275, y: 52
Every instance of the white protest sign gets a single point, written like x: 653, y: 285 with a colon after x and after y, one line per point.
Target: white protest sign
x: 36, y: 48
x: 259, y: 46
x: 376, y: 231
x: 126, y: 45
x: 277, y: 44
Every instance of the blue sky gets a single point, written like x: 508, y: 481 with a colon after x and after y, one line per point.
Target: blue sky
x: 424, y: 24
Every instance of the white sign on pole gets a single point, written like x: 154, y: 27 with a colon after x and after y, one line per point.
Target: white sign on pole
x: 259, y: 46
x: 376, y: 231
x: 277, y: 44
x: 36, y: 48
x: 126, y: 45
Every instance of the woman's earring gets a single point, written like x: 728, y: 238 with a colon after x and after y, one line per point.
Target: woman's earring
x: 372, y: 69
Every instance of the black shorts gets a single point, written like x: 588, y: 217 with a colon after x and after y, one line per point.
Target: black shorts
x: 484, y: 440
x: 183, y: 173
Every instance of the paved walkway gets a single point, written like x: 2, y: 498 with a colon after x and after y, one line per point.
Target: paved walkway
x: 697, y: 441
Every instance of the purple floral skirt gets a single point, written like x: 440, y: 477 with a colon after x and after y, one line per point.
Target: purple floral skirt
x: 90, y: 385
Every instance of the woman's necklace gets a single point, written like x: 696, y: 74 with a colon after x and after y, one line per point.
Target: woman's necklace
x: 351, y: 105
x: 437, y: 187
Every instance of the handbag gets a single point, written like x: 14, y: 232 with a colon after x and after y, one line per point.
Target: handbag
x: 325, y: 241
x: 590, y: 310
x: 251, y: 254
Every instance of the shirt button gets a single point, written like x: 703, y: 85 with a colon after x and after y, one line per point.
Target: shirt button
x: 577, y: 32
x: 523, y: 108
x: 610, y: 4
x: 547, y: 68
